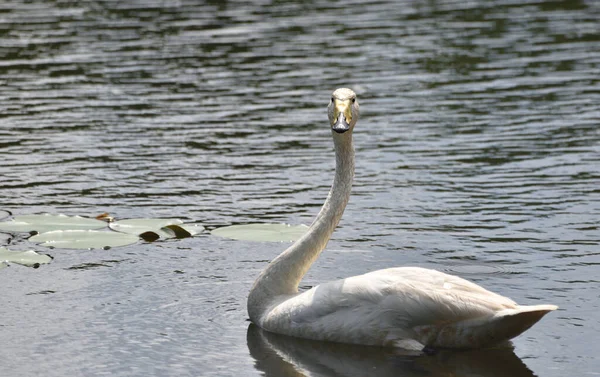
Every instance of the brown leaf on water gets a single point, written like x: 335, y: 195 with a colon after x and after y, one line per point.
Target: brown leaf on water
x: 149, y: 236
x: 178, y: 231
x: 105, y: 217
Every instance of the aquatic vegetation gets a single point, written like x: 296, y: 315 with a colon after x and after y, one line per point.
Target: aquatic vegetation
x: 262, y: 232
x: 27, y: 258
x: 48, y: 222
x: 158, y: 228
x: 84, y: 239
x: 58, y: 231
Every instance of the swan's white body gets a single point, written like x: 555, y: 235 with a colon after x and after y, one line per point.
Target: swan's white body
x: 404, y: 306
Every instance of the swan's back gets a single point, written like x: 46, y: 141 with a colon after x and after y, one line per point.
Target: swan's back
x: 388, y: 307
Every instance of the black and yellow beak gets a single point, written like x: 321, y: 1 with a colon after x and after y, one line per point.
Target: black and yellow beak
x: 342, y: 114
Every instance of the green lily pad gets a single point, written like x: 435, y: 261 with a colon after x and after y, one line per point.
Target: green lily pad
x: 262, y: 232
x: 152, y: 229
x: 27, y: 258
x: 5, y: 238
x: 47, y: 223
x: 84, y: 239
x: 4, y: 214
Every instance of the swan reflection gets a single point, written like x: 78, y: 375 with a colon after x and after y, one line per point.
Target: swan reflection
x: 282, y: 356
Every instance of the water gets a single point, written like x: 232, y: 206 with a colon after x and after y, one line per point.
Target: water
x: 478, y: 153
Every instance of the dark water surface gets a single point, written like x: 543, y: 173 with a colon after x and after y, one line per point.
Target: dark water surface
x: 478, y: 153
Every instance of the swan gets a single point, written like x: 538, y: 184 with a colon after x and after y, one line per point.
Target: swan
x: 406, y: 307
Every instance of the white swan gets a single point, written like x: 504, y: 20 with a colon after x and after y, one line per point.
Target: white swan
x: 402, y: 307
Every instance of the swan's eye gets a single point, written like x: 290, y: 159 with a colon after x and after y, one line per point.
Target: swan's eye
x: 332, y: 100
x: 353, y: 100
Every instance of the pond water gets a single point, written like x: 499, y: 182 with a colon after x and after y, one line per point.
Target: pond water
x: 478, y: 154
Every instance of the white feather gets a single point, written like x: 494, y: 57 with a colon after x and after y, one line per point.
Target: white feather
x: 390, y: 307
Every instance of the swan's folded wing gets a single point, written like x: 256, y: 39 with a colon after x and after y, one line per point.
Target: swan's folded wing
x: 420, y: 296
x: 412, y: 295
x: 383, y: 305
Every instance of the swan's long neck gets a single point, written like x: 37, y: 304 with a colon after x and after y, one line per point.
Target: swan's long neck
x: 283, y: 274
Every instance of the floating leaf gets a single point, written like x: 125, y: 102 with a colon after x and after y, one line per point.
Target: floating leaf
x: 262, y: 232
x: 5, y: 239
x: 4, y: 214
x: 84, y: 239
x: 152, y: 229
x: 149, y: 236
x: 185, y: 230
x: 27, y: 258
x: 140, y: 226
x: 106, y: 217
x: 46, y: 223
x: 177, y: 231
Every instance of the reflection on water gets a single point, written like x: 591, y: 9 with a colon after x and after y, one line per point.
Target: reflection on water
x: 281, y: 356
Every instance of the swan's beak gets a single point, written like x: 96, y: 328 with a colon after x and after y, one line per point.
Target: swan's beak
x: 342, y: 113
x: 340, y: 126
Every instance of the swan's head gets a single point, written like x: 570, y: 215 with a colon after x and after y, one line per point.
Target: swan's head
x: 343, y: 110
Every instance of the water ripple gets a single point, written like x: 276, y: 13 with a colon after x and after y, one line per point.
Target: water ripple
x: 478, y: 153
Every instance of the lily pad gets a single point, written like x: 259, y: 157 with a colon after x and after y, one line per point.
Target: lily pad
x: 4, y: 214
x: 27, y: 258
x: 47, y: 223
x: 262, y: 232
x: 84, y: 239
x: 152, y: 229
x: 190, y: 228
x: 5, y: 238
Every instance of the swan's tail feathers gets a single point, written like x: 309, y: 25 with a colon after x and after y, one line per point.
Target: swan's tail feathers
x: 513, y: 322
x: 484, y: 331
